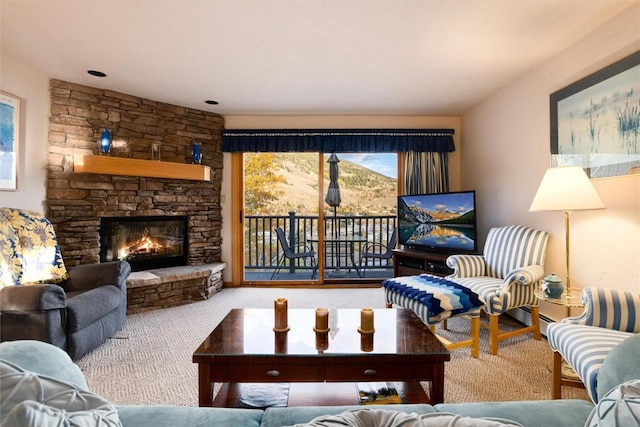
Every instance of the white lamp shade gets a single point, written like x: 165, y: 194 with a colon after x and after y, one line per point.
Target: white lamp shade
x: 566, y: 189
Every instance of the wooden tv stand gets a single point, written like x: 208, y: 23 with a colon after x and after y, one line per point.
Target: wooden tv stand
x: 409, y: 262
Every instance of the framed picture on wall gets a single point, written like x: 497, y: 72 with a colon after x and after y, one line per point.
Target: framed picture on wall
x: 9, y: 140
x: 595, y: 122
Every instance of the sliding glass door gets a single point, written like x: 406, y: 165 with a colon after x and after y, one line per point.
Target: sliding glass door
x: 308, y: 217
x: 280, y: 193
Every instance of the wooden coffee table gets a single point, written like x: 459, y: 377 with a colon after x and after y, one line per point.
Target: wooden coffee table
x: 243, y: 348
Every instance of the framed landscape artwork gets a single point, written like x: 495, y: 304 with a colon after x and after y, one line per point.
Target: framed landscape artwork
x: 595, y: 122
x: 9, y: 140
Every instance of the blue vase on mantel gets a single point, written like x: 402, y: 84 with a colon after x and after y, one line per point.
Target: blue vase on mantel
x: 196, y: 153
x: 104, y: 144
x: 552, y: 286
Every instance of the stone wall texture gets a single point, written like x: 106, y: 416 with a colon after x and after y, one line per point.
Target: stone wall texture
x: 173, y: 286
x: 77, y: 201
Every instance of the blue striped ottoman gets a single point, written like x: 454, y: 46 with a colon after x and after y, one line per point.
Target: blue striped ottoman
x: 435, y: 299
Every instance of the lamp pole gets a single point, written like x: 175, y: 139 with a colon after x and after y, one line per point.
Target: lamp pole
x: 567, y: 245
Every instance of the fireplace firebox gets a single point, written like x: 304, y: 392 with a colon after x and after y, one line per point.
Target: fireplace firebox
x: 146, y: 242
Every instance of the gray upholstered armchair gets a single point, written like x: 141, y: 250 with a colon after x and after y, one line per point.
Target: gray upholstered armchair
x: 505, y: 276
x: 76, y: 310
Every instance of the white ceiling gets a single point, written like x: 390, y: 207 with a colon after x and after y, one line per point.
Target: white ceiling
x: 408, y: 57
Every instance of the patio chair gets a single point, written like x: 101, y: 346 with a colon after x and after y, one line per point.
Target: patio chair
x: 290, y: 253
x: 505, y: 276
x: 374, y: 250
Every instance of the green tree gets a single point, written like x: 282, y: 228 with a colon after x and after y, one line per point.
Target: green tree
x: 261, y: 178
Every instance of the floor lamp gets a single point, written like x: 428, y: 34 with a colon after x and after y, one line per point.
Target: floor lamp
x: 566, y: 189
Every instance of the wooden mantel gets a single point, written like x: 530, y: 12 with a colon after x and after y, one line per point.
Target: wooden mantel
x: 109, y: 165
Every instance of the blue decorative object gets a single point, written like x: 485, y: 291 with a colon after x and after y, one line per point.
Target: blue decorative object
x: 196, y: 153
x: 105, y: 142
x: 552, y: 286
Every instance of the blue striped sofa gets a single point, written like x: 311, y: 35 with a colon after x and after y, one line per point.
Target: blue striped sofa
x: 505, y: 276
x: 609, y: 317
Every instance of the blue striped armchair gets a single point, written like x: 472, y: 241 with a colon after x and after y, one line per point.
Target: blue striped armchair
x: 610, y: 316
x: 505, y: 276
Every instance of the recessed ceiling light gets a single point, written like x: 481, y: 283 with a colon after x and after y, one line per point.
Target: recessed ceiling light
x: 211, y: 102
x: 96, y: 73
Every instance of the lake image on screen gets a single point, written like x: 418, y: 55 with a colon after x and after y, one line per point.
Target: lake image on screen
x: 444, y: 221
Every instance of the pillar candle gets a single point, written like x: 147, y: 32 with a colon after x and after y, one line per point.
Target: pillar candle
x: 366, y: 319
x: 280, y: 342
x: 366, y: 342
x: 322, y: 341
x: 280, y: 308
x: 322, y: 319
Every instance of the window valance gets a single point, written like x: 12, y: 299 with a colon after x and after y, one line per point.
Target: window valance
x: 338, y: 140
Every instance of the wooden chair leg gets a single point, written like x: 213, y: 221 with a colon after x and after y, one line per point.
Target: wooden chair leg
x: 493, y: 333
x: 475, y: 337
x: 556, y: 376
x: 535, y: 322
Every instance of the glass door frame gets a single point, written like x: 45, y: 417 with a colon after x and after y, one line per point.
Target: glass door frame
x: 237, y: 227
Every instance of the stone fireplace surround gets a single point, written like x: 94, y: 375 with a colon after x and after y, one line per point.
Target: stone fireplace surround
x: 76, y: 201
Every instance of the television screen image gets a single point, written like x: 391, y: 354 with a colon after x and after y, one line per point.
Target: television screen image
x: 442, y: 222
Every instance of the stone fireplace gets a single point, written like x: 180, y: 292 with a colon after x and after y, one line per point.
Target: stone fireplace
x: 77, y: 203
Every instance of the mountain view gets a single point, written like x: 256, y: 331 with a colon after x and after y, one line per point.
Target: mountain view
x: 418, y: 215
x: 293, y: 183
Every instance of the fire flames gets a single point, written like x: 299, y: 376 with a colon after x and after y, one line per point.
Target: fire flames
x: 145, y: 245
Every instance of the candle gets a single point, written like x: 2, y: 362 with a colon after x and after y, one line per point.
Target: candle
x: 322, y: 341
x: 155, y: 151
x: 280, y: 309
x: 322, y: 319
x: 280, y: 342
x: 366, y: 320
x: 366, y: 342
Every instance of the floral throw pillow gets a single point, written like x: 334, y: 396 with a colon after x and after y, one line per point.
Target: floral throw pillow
x: 36, y: 256
x: 10, y: 262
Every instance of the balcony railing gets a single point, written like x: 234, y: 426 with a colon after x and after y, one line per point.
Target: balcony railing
x: 262, y: 251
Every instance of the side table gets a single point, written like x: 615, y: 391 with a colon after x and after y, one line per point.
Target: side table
x: 569, y: 300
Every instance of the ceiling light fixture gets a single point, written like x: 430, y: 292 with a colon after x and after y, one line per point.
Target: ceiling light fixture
x: 211, y: 102
x: 96, y: 73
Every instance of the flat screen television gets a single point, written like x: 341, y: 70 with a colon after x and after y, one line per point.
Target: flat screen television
x: 440, y: 223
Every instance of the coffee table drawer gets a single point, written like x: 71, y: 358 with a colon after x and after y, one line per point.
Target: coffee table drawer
x: 276, y: 373
x: 370, y: 372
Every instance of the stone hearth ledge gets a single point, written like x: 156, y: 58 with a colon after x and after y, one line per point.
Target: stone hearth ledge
x: 172, y: 286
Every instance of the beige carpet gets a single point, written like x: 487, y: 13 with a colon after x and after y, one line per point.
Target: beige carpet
x: 149, y: 361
